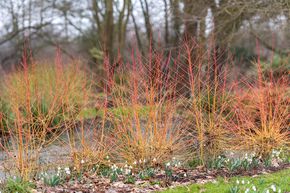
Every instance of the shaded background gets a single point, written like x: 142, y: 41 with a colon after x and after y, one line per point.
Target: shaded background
x: 92, y: 29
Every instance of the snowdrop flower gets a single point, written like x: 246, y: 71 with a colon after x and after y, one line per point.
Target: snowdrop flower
x: 173, y: 158
x: 273, y: 187
x: 114, y: 167
x: 82, y: 161
x: 243, y: 181
x: 154, y: 159
x: 267, y: 191
x: 279, y: 191
x: 67, y: 171
x: 238, y: 182
x: 247, y: 190
x: 248, y: 182
x: 127, y: 171
x: 184, y: 174
x: 140, y: 161
x: 135, y: 162
x: 125, y: 166
x: 130, y: 167
x: 254, y: 188
x: 168, y: 164
x: 144, y: 161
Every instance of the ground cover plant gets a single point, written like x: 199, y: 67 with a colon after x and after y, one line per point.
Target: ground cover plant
x: 276, y: 182
x: 156, y: 121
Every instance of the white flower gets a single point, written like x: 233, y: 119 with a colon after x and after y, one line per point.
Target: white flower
x: 168, y: 164
x: 273, y: 187
x: 130, y: 167
x: 254, y: 188
x: 127, y: 171
x: 67, y: 170
x: 247, y: 190
x: 82, y: 161
x: 238, y: 182
x: 154, y: 160
x: 173, y: 158
x: 58, y: 168
x: 184, y: 175
x: 279, y: 191
x: 144, y: 161
x: 140, y: 161
x: 243, y: 181
x: 135, y: 162
x: 267, y: 191
x: 248, y: 182
x: 114, y: 167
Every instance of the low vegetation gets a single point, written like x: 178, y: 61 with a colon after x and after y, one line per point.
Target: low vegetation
x: 159, y: 119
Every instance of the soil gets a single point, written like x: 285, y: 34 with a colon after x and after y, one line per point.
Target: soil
x: 98, y: 184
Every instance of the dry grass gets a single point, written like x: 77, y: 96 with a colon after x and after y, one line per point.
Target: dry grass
x: 209, y: 107
x: 42, y: 102
x: 153, y: 108
x: 263, y: 115
x: 148, y: 126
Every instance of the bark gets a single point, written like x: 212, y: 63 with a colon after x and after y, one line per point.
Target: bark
x: 108, y: 28
x: 176, y: 19
x: 148, y: 25
x: 166, y: 38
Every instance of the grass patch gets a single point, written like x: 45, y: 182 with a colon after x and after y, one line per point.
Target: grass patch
x: 90, y: 113
x: 280, y: 180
